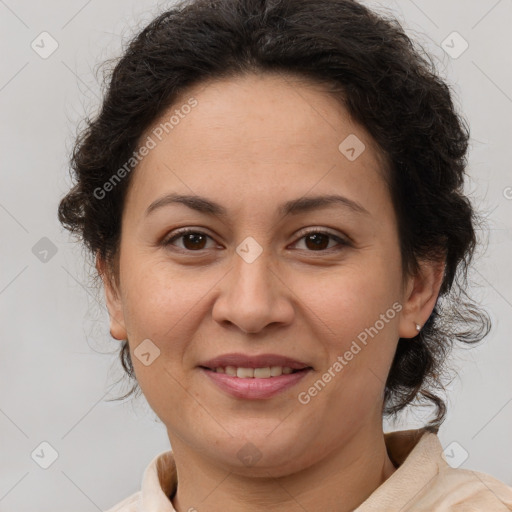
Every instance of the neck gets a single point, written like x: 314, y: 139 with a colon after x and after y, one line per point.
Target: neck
x: 341, y: 481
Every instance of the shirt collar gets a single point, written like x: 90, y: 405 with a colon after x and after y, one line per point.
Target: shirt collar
x: 420, y: 457
x: 158, y: 484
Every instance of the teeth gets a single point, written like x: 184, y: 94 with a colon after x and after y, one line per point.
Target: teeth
x: 259, y: 373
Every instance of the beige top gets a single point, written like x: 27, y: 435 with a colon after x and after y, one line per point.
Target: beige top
x: 423, y: 482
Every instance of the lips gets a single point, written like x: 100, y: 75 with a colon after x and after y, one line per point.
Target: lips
x: 258, y: 361
x: 254, y: 388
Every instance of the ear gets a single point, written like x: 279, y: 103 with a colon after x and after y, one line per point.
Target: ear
x: 113, y: 301
x: 420, y: 297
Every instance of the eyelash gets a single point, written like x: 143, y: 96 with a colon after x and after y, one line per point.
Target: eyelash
x: 302, y: 234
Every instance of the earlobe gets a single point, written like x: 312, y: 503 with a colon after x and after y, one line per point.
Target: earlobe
x: 113, y: 302
x: 421, y: 297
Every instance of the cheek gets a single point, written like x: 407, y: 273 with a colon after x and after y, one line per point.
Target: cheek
x: 351, y: 297
x: 159, y: 305
x: 356, y: 311
x: 166, y: 304
x: 356, y: 308
x: 156, y: 296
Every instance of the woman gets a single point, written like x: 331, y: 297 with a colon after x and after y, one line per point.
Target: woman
x: 273, y: 192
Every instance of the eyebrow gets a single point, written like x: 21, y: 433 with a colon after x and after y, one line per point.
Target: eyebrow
x: 293, y: 207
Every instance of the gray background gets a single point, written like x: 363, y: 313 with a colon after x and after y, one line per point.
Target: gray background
x: 58, y: 362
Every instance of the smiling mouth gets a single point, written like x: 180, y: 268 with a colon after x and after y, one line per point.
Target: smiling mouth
x: 268, y: 372
x: 252, y: 384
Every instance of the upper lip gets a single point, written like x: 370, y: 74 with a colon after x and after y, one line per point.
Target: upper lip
x: 257, y: 361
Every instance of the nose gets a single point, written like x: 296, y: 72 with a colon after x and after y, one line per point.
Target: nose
x: 253, y: 295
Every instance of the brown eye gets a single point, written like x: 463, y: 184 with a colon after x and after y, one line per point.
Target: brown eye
x: 315, y: 241
x: 318, y: 241
x: 192, y: 240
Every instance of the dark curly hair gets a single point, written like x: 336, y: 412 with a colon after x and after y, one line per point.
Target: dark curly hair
x: 388, y: 84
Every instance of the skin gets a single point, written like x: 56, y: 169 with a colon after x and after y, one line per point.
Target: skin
x: 250, y: 144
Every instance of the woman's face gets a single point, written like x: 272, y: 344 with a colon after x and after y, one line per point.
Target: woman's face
x: 251, y: 282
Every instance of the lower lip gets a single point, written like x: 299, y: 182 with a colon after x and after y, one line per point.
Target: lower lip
x: 254, y: 388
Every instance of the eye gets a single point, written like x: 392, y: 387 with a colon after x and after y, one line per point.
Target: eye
x: 315, y: 240
x: 193, y: 239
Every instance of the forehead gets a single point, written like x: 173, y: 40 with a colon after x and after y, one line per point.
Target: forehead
x: 257, y: 137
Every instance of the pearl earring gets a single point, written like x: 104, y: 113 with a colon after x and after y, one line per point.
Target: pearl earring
x: 418, y: 327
